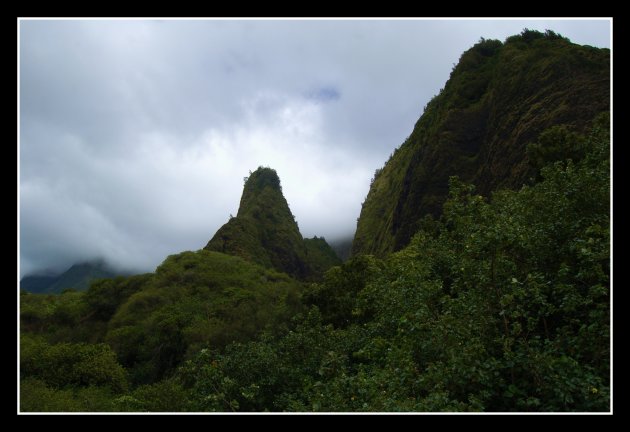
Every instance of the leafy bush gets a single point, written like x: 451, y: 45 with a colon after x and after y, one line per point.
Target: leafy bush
x: 195, y: 299
x: 65, y: 364
x: 36, y: 396
x: 502, y: 305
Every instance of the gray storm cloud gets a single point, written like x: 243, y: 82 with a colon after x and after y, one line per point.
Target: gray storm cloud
x: 135, y: 135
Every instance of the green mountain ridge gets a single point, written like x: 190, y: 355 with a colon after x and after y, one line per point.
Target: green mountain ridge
x: 499, y: 98
x: 265, y: 232
x: 496, y: 303
x: 78, y: 277
x: 153, y: 321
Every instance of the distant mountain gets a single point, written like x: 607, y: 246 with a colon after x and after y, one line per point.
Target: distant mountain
x: 342, y: 247
x: 265, y: 232
x: 77, y: 277
x: 320, y: 256
x: 499, y: 98
x: 37, y: 283
x: 500, y: 305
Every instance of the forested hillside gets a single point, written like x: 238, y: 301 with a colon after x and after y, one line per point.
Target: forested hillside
x: 265, y: 232
x: 77, y: 277
x: 497, y: 301
x: 500, y: 97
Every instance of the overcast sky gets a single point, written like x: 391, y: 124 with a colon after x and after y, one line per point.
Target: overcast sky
x: 135, y: 135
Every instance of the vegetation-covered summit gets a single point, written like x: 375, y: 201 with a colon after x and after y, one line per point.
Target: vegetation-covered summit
x: 265, y: 232
x: 500, y: 97
x: 498, y: 303
x: 501, y: 305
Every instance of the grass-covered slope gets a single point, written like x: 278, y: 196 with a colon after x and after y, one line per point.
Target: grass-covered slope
x: 500, y: 97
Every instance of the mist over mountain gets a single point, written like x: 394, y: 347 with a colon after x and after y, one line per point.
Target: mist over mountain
x: 134, y: 141
x: 478, y: 279
x: 78, y: 277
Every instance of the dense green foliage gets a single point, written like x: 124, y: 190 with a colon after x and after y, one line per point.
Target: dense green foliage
x: 68, y: 377
x: 77, y: 316
x: 500, y: 306
x: 197, y: 299
x: 150, y: 323
x: 265, y: 232
x: 500, y: 97
x: 319, y: 257
x: 67, y: 364
x: 500, y: 303
x: 77, y: 277
x: 336, y: 296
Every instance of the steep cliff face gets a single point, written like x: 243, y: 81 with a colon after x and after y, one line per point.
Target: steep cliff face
x: 498, y: 99
x: 265, y: 232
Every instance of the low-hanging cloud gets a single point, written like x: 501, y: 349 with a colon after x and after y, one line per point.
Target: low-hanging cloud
x: 166, y: 193
x: 135, y: 136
